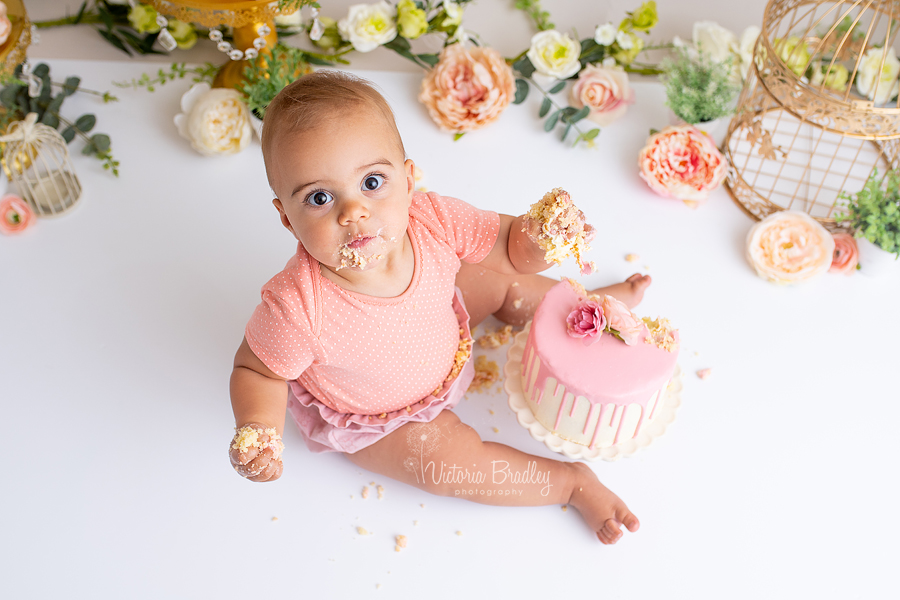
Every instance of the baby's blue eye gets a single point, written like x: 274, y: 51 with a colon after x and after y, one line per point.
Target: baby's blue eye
x: 319, y: 198
x: 373, y: 182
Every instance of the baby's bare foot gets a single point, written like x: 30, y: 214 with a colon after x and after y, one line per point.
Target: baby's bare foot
x: 631, y: 291
x: 603, y: 510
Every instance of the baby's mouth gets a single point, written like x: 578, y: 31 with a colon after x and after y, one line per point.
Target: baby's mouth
x: 360, y: 242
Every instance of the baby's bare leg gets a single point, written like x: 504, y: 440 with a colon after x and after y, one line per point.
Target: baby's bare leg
x: 514, y: 298
x: 447, y: 457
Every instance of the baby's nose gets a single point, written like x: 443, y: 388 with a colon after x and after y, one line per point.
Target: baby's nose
x: 352, y: 210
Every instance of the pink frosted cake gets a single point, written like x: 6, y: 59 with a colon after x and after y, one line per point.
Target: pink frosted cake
x: 581, y: 380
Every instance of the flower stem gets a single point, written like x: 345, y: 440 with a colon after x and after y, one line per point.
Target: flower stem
x: 87, y: 18
x: 552, y: 103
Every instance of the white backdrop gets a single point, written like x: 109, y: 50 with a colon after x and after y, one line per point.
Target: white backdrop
x: 121, y: 320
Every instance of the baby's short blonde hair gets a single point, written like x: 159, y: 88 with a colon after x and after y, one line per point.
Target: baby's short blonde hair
x: 311, y: 100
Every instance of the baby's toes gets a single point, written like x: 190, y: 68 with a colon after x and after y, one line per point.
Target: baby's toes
x: 612, y: 527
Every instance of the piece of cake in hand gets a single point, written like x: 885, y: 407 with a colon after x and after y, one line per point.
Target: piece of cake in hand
x: 593, y: 373
x: 563, y: 232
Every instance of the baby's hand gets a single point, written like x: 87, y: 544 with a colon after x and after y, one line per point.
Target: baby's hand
x: 255, y: 452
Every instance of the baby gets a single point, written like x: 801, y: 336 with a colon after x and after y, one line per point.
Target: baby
x: 364, y: 336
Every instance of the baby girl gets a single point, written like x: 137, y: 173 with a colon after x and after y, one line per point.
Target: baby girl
x: 364, y: 337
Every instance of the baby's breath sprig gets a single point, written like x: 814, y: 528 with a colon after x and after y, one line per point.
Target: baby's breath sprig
x: 205, y: 72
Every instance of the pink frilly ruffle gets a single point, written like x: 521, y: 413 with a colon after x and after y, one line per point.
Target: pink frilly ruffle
x: 326, y: 430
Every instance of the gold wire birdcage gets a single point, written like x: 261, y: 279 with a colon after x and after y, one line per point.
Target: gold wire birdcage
x: 814, y: 117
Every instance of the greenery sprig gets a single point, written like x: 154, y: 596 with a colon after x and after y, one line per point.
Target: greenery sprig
x: 540, y: 16
x: 17, y: 103
x: 205, y: 72
x: 874, y: 211
x: 698, y: 89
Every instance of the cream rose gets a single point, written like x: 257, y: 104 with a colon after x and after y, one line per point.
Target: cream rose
x: 879, y: 89
x: 745, y: 49
x: 683, y: 163
x: 554, y: 54
x: 789, y: 247
x: 605, y: 91
x: 368, y: 26
x: 714, y: 41
x: 467, y: 88
x: 216, y: 121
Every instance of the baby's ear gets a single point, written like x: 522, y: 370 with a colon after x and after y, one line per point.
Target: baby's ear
x: 284, y: 218
x: 410, y: 168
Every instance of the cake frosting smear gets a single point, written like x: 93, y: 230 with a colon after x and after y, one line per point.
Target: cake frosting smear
x: 597, y: 394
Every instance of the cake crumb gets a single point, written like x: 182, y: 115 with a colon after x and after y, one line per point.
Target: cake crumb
x: 495, y: 430
x: 415, y: 523
x: 459, y: 533
x: 646, y: 267
x: 380, y: 489
x: 517, y: 303
x: 514, y: 284
x: 396, y: 548
x: 696, y: 353
x: 704, y: 374
x: 371, y: 483
x: 377, y: 586
x: 401, y: 541
x: 365, y: 492
x: 491, y: 411
x: 362, y: 531
x: 487, y: 373
x: 495, y: 339
x: 274, y: 518
x: 631, y: 257
x: 565, y: 508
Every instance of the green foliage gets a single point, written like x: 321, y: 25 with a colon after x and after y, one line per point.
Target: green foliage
x: 265, y: 76
x: 540, y: 16
x: 874, y: 211
x: 16, y: 104
x: 698, y: 89
x: 289, y: 6
x: 205, y: 72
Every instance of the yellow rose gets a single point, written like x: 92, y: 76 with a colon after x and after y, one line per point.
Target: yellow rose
x: 794, y: 53
x: 143, y: 18
x: 331, y: 37
x: 183, y: 33
x: 645, y: 18
x: 411, y: 20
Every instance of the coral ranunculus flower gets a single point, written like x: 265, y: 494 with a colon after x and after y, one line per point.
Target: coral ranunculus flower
x: 15, y: 215
x: 789, y: 247
x: 846, y: 254
x: 683, y: 163
x: 468, y: 88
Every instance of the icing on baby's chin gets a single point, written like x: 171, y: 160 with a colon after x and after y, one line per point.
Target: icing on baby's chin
x: 362, y: 251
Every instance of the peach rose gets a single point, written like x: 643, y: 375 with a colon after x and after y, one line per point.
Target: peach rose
x: 789, y: 247
x: 627, y: 324
x: 15, y: 215
x: 682, y: 162
x: 605, y: 90
x: 846, y: 254
x: 467, y: 88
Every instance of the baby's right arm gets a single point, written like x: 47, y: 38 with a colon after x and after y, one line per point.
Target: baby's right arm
x: 259, y: 400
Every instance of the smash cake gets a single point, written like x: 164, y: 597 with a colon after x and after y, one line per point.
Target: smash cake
x: 592, y: 372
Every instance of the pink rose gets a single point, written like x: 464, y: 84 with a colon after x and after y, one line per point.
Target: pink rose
x: 683, y: 163
x: 15, y: 215
x: 5, y: 25
x: 619, y: 318
x: 605, y: 90
x: 587, y: 321
x: 846, y: 254
x: 789, y: 247
x: 468, y: 88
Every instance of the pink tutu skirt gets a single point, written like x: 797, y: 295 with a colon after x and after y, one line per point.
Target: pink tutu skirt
x: 326, y: 430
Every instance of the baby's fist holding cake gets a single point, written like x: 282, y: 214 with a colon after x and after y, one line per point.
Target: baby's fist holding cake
x: 559, y: 228
x: 255, y: 452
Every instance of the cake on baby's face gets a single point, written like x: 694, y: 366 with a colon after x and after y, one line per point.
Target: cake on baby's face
x: 592, y: 372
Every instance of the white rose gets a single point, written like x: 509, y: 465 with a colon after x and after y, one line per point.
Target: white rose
x: 626, y: 42
x: 554, y: 54
x: 368, y: 26
x: 290, y: 21
x: 605, y: 35
x: 714, y: 40
x: 454, y: 13
x: 745, y: 49
x: 879, y: 89
x: 216, y: 121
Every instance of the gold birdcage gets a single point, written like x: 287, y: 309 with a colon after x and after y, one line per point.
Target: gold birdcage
x: 819, y: 110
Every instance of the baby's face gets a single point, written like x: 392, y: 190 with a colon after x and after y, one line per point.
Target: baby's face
x: 344, y: 190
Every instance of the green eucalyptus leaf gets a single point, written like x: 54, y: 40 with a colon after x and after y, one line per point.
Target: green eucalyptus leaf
x: 42, y: 70
x: 113, y: 39
x: 68, y: 134
x: 524, y: 66
x: 545, y: 108
x: 100, y: 142
x: 85, y: 123
x: 551, y: 121
x: 71, y: 85
x: 585, y: 111
x: 431, y: 59
x: 50, y: 120
x: 521, y: 91
x: 557, y: 88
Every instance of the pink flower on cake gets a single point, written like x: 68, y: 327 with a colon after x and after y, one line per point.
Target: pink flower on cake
x: 846, y: 254
x: 683, y: 163
x: 15, y: 215
x: 587, y: 321
x: 622, y: 323
x: 605, y: 91
x: 789, y: 247
x: 467, y: 88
